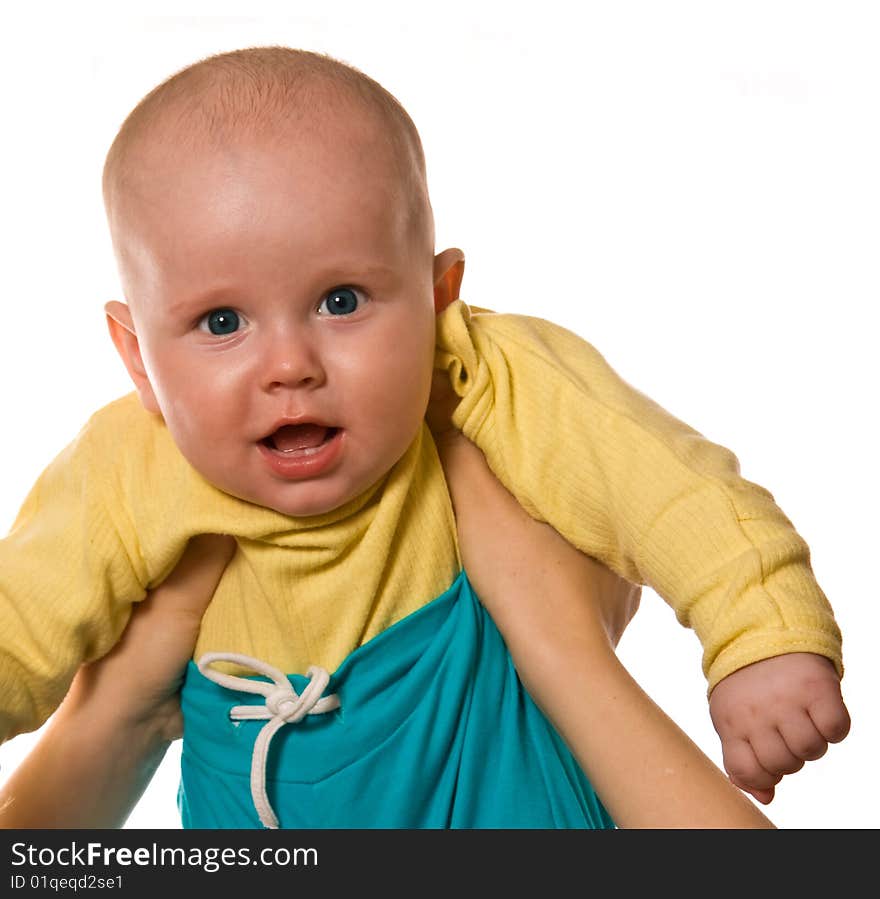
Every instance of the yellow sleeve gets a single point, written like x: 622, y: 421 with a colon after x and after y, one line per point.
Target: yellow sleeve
x: 69, y: 570
x: 627, y: 483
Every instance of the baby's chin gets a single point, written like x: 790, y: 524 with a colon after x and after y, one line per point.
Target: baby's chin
x: 313, y: 502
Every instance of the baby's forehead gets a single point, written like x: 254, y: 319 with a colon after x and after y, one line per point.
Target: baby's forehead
x: 336, y: 165
x: 350, y: 142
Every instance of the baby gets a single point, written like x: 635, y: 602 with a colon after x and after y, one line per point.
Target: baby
x: 285, y: 315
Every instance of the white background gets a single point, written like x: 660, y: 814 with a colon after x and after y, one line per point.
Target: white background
x: 692, y: 187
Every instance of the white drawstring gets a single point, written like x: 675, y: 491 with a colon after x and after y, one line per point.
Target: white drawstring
x: 283, y: 706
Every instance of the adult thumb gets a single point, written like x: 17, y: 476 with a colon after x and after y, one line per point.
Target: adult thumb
x: 190, y: 586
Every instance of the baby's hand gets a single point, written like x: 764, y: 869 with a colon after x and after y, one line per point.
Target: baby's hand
x: 774, y: 715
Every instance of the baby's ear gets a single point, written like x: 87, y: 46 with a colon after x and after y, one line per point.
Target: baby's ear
x: 121, y: 326
x: 448, y: 272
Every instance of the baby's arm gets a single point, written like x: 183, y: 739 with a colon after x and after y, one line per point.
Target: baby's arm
x: 103, y: 745
x: 550, y: 603
x: 69, y: 571
x: 626, y: 482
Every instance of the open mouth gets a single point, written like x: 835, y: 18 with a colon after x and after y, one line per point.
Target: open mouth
x: 301, y: 439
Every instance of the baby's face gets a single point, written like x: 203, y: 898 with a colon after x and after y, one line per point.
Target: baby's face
x: 285, y: 319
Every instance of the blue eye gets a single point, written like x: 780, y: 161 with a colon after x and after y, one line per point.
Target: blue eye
x: 222, y: 321
x: 340, y: 301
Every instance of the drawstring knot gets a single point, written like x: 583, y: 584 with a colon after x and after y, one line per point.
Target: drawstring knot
x: 287, y: 705
x: 283, y: 706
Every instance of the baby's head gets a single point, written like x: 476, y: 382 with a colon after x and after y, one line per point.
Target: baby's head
x: 270, y: 216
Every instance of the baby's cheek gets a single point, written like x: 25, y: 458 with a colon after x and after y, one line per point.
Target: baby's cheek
x: 413, y: 391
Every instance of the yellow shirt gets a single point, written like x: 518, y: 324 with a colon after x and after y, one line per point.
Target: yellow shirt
x: 619, y: 477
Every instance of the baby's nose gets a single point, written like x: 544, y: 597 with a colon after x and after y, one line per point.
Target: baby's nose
x: 291, y: 361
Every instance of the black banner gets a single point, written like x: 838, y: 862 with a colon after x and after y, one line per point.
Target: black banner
x: 137, y: 862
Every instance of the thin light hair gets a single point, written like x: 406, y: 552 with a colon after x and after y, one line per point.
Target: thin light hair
x: 255, y: 90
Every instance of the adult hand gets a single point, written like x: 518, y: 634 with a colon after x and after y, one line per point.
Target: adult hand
x: 507, y: 553
x: 143, y: 673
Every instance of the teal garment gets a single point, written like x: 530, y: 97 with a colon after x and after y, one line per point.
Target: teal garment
x: 435, y: 730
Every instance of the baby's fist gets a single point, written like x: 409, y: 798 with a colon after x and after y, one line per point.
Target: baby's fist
x: 774, y: 715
